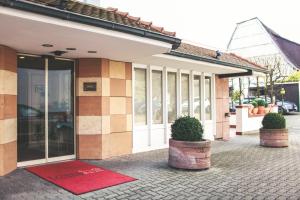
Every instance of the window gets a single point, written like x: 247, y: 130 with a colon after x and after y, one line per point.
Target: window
x: 140, y: 100
x: 197, y: 96
x: 157, y: 109
x: 207, y: 102
x: 171, y: 98
x: 185, y: 94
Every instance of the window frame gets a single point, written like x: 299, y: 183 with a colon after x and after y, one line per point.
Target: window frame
x: 150, y: 127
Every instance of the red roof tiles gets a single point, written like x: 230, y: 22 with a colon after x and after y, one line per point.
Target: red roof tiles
x: 109, y: 14
x: 198, y: 51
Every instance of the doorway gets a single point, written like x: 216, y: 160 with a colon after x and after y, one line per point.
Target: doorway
x: 45, y: 110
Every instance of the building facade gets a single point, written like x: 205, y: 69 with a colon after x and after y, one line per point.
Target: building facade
x: 81, y: 82
x: 257, y: 42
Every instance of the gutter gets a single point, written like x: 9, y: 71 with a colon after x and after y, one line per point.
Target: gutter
x: 214, y: 61
x: 74, y: 17
x: 248, y: 73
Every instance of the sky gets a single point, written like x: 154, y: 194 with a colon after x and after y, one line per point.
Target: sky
x: 211, y: 22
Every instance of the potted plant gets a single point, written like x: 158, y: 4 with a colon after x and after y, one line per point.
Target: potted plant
x: 255, y: 109
x: 274, y: 132
x: 261, y: 106
x: 187, y: 148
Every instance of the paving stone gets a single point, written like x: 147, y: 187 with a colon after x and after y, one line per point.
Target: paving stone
x: 241, y: 169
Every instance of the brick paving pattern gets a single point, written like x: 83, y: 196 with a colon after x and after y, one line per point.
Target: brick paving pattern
x: 240, y: 170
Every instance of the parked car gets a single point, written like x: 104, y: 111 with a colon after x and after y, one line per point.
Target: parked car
x: 287, y: 107
x: 232, y: 106
x: 248, y: 100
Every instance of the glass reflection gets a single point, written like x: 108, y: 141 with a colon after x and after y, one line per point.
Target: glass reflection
x: 60, y: 108
x: 207, y: 102
x: 157, y: 109
x: 185, y: 104
x: 140, y: 102
x: 172, y: 95
x: 31, y: 109
x: 197, y: 99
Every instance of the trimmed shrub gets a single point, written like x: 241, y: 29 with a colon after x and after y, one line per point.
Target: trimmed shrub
x: 273, y: 121
x: 254, y: 104
x: 266, y: 104
x: 260, y: 102
x: 187, y: 129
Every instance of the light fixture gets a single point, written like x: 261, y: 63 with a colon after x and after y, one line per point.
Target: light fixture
x: 218, y: 54
x: 92, y: 51
x: 58, y: 52
x: 21, y: 57
x: 47, y: 45
x: 71, y: 48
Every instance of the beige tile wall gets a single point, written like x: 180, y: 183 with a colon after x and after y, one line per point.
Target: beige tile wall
x: 105, y: 115
x: 8, y: 110
x: 222, y: 104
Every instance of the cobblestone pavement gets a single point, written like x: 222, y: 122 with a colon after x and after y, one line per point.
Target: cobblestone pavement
x: 241, y: 169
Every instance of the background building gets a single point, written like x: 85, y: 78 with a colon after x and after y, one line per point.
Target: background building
x: 252, y: 39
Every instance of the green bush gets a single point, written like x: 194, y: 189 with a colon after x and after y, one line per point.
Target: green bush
x: 254, y: 104
x: 273, y: 121
x: 260, y: 102
x: 187, y: 129
x: 266, y: 104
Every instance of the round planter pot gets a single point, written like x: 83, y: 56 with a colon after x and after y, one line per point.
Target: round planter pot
x: 250, y: 109
x: 261, y: 110
x: 274, y: 137
x: 254, y: 111
x: 189, y: 155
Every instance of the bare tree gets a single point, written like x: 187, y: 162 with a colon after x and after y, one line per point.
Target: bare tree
x: 274, y: 74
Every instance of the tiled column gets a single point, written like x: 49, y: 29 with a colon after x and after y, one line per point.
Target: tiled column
x: 88, y: 110
x: 222, y: 107
x: 8, y: 110
x: 117, y: 120
x: 104, y: 116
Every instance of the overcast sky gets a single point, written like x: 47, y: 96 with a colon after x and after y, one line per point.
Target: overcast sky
x: 211, y: 22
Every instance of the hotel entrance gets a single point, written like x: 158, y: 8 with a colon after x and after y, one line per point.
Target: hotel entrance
x: 45, y: 110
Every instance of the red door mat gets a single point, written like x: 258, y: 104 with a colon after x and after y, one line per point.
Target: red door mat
x: 79, y: 177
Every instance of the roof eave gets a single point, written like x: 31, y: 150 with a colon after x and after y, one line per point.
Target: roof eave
x: 219, y: 62
x: 67, y: 15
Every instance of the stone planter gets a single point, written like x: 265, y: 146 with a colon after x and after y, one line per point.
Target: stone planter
x: 250, y: 109
x: 267, y: 110
x: 261, y: 110
x: 274, y: 137
x: 189, y: 155
x: 254, y: 111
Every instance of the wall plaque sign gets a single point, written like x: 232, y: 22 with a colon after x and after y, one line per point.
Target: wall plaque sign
x: 90, y: 86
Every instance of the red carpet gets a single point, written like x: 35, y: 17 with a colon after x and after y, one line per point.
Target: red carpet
x: 79, y: 177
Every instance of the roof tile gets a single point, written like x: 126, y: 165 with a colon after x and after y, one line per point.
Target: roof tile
x: 289, y: 48
x: 109, y: 14
x: 211, y: 54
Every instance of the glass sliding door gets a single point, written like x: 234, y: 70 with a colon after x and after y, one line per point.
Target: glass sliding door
x: 60, y: 108
x: 31, y: 108
x: 45, y: 109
